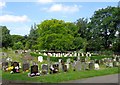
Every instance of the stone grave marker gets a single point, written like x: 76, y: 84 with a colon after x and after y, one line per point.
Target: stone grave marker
x: 78, y: 58
x: 91, y: 65
x: 65, y: 68
x: 44, y: 68
x: 73, y: 64
x: 26, y: 66
x: 54, y: 68
x: 96, y: 65
x: 4, y: 65
x: 8, y: 59
x: 60, y: 64
x: 78, y: 66
x: 34, y: 69
x: 40, y: 59
x: 110, y: 64
x: 15, y: 67
x: 68, y: 61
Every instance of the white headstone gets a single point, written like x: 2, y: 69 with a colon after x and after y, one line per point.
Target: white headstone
x: 49, y: 54
x: 96, y: 66
x: 45, y: 54
x: 67, y: 66
x: 40, y: 59
x: 82, y: 54
x: 57, y: 55
x: 75, y: 54
x: 68, y: 60
x: 110, y: 64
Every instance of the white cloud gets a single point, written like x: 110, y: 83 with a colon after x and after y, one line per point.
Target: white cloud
x: 45, y: 1
x: 63, y: 8
x: 13, y: 18
x: 2, y: 4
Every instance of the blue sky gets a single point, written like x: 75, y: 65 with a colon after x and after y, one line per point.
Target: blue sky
x: 19, y: 16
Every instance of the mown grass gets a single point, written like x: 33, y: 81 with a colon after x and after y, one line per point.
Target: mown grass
x: 60, y: 77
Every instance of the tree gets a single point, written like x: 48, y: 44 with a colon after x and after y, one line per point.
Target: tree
x: 32, y: 37
x: 57, y: 35
x: 18, y: 45
x: 103, y: 27
x: 16, y: 38
x: 5, y: 38
x: 83, y: 31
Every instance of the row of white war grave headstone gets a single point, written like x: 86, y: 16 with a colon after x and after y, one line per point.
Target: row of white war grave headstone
x: 76, y: 65
x: 67, y: 54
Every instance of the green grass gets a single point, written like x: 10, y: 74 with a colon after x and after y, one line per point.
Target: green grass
x: 60, y: 77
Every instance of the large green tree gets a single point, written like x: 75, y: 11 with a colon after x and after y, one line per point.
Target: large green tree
x: 5, y: 38
x: 103, y: 26
x: 32, y: 38
x: 58, y: 35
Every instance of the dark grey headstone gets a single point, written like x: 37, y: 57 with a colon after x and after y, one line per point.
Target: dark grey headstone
x: 26, y: 66
x: 34, y: 69
x: 44, y: 68
x: 4, y: 63
x: 91, y: 65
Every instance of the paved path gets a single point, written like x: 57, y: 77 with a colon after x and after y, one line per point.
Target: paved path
x: 100, y: 79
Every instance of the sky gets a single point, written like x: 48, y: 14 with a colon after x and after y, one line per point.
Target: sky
x: 19, y: 16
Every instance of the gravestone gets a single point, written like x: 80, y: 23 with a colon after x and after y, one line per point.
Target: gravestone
x: 60, y: 64
x: 44, y: 68
x: 34, y: 69
x: 4, y: 65
x: 65, y: 68
x: 68, y: 61
x: 91, y: 65
x: 78, y: 58
x: 117, y: 59
x: 110, y: 64
x: 54, y: 68
x: 40, y: 59
x: 115, y: 64
x: 78, y: 66
x: 26, y: 66
x: 96, y: 66
x: 8, y: 59
x: 73, y: 64
x: 82, y: 59
x: 15, y: 67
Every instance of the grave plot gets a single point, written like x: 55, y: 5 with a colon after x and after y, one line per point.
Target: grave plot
x: 44, y: 69
x: 40, y: 59
x: 54, y: 68
x: 4, y: 66
x: 26, y: 66
x: 15, y: 66
x: 34, y: 71
x: 91, y: 65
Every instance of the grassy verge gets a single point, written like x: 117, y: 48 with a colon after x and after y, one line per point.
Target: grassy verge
x: 60, y: 77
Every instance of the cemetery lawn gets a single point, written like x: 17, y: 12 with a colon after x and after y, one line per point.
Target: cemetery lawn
x: 60, y: 77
